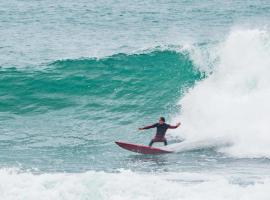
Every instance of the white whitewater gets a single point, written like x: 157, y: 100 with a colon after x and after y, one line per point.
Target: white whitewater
x: 233, y: 102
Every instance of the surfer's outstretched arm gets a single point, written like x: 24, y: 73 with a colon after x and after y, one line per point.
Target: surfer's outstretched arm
x: 176, y: 126
x: 148, y: 127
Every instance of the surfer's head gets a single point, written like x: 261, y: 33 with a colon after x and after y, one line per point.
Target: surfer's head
x: 161, y: 120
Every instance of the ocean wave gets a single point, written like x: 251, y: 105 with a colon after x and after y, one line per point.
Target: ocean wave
x: 123, y: 80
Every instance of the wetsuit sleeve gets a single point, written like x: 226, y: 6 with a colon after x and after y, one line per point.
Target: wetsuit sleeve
x: 172, y: 127
x: 151, y: 126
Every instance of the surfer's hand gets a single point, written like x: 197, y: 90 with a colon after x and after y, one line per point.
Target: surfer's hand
x: 178, y: 124
x: 140, y: 129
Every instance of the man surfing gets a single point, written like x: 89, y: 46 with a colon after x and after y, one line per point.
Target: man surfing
x: 161, y: 131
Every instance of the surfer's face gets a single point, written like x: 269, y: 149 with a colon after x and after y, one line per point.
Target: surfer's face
x: 161, y: 122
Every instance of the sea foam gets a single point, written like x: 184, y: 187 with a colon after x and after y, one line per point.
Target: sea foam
x: 233, y: 102
x: 126, y: 185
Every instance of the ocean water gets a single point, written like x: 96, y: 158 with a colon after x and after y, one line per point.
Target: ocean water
x: 76, y: 76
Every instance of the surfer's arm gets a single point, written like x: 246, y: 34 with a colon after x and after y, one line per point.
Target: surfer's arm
x: 176, y: 126
x: 148, y: 127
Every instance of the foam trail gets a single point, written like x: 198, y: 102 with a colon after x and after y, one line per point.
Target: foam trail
x: 233, y: 103
x: 197, y: 145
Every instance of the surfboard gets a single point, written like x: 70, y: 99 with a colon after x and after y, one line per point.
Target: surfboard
x: 141, y: 148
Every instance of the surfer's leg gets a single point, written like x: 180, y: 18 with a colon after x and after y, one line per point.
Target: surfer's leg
x: 151, y: 143
x: 165, y: 142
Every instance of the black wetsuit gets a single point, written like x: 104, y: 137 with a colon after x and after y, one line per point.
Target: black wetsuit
x: 161, y: 131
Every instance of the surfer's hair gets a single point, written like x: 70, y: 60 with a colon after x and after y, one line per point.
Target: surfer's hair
x: 162, y: 119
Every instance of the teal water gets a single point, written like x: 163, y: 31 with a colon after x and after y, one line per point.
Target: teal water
x: 77, y: 76
x: 87, y: 104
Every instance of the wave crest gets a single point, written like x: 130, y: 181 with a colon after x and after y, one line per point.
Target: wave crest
x: 233, y: 103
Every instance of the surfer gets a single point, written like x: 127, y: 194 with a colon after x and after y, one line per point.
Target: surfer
x: 161, y: 130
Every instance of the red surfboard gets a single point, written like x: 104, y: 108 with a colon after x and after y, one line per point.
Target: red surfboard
x: 141, y: 148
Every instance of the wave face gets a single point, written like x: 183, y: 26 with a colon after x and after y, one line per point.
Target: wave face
x: 129, y: 83
x: 232, y: 103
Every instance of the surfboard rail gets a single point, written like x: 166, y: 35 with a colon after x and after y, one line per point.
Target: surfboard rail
x: 137, y: 148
